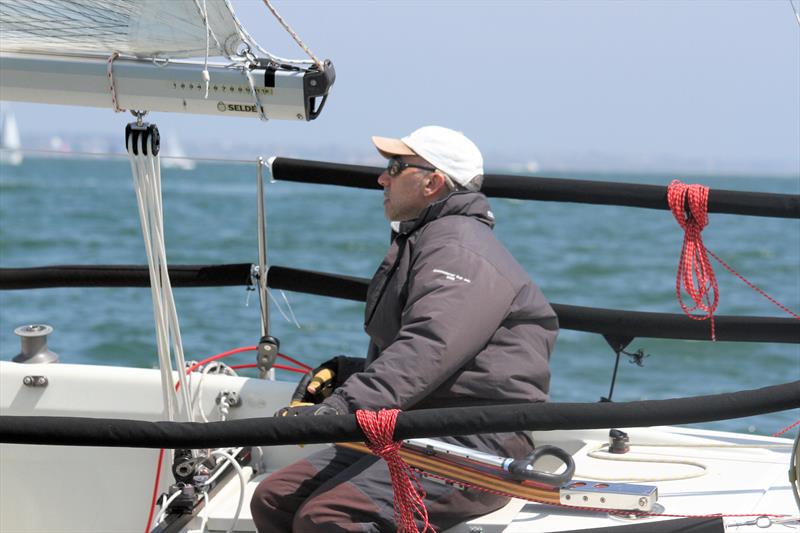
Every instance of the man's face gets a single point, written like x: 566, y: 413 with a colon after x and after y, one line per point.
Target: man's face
x: 403, y: 197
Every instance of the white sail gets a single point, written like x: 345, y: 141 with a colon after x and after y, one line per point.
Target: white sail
x: 131, y: 54
x: 10, y: 153
x: 141, y: 28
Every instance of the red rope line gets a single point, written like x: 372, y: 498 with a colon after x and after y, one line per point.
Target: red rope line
x: 295, y: 361
x: 379, y: 430
x: 755, y: 287
x: 222, y: 355
x: 276, y: 366
x: 695, y: 274
x: 219, y: 356
x: 304, y: 369
x: 155, y: 490
x: 787, y: 428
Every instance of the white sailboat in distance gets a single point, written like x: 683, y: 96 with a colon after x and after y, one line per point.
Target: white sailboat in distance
x: 173, y: 155
x: 10, y: 153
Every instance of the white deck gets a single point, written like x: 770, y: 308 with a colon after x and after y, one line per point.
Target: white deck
x: 738, y: 481
x: 108, y: 490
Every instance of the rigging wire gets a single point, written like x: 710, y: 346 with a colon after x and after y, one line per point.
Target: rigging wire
x: 796, y: 13
x: 294, y: 35
x: 249, y: 42
x: 290, y: 318
x: 77, y: 155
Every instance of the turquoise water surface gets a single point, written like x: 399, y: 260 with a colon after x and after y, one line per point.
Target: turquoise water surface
x: 69, y: 211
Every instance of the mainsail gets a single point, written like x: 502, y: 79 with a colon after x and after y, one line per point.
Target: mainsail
x: 143, y: 28
x: 132, y: 54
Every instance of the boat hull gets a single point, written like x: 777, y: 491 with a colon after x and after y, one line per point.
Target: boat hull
x: 91, y: 489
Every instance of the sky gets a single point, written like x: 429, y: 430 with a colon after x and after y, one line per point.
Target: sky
x: 709, y: 84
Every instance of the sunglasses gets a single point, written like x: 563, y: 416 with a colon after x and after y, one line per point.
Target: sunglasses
x: 395, y: 167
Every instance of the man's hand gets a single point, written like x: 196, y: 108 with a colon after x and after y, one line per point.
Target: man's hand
x: 322, y: 383
x: 317, y: 385
x: 307, y: 410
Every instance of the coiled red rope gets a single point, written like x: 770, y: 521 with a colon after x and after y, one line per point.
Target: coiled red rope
x: 695, y: 274
x: 408, y: 494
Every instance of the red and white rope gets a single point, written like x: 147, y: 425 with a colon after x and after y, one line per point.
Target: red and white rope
x: 111, y: 87
x: 408, y: 494
x: 695, y: 274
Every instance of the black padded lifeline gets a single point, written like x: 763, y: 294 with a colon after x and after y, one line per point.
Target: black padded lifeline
x: 72, y: 431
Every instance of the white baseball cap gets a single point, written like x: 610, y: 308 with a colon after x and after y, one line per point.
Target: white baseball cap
x: 447, y: 150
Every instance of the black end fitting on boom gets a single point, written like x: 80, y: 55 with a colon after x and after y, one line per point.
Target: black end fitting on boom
x: 316, y: 84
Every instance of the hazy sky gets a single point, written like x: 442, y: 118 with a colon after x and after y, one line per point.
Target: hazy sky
x: 716, y: 80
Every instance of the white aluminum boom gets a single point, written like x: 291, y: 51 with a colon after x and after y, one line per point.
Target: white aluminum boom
x: 147, y: 86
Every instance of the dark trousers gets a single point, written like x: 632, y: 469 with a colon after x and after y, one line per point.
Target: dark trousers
x: 341, y: 490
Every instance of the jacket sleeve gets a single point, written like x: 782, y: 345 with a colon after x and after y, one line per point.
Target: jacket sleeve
x: 456, y: 301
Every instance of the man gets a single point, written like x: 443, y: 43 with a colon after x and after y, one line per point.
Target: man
x: 453, y: 320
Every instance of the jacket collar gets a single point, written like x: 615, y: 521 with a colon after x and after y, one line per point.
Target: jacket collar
x: 464, y: 203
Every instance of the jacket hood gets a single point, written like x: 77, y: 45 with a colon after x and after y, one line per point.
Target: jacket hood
x: 464, y: 203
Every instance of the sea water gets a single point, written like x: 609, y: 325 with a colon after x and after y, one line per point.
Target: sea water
x: 70, y: 211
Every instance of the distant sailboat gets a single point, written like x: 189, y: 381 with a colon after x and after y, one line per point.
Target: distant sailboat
x: 10, y: 153
x: 173, y: 156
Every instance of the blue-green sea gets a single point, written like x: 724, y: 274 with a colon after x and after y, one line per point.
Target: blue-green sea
x: 83, y: 211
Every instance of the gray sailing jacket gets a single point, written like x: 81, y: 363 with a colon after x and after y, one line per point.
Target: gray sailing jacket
x: 453, y: 319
